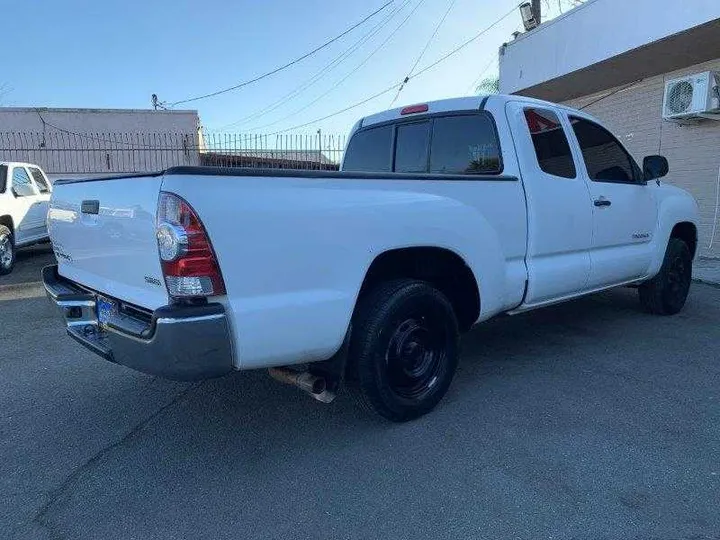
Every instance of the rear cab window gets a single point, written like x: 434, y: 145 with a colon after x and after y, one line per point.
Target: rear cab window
x: 369, y: 150
x: 463, y: 143
x: 412, y: 142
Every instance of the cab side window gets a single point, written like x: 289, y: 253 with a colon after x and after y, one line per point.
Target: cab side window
x: 551, y: 144
x: 21, y: 183
x: 605, y: 158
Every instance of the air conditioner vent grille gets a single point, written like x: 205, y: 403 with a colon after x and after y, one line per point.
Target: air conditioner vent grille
x: 680, y: 97
x: 692, y: 97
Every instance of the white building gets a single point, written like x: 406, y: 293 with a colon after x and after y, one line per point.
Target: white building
x: 80, y: 142
x: 615, y: 58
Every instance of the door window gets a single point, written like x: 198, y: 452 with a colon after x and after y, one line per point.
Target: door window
x: 551, y: 145
x: 605, y: 158
x: 22, y: 186
x: 465, y: 144
x: 411, y: 147
x: 40, y: 180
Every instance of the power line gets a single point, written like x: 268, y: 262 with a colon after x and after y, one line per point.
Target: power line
x: 353, y: 106
x: 617, y: 90
x: 466, y: 43
x: 393, y: 87
x: 422, y: 53
x: 325, y: 70
x: 47, y: 124
x: 493, y: 60
x: 285, y: 66
x: 474, y: 84
x: 320, y: 74
x: 348, y: 75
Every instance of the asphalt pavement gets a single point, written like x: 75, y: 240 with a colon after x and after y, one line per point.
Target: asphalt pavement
x: 590, y: 420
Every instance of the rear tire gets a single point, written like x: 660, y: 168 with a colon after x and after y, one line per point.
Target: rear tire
x: 7, y: 251
x: 404, y: 349
x: 667, y: 292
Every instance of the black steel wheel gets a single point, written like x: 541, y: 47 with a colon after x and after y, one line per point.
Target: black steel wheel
x: 403, y: 349
x: 667, y: 292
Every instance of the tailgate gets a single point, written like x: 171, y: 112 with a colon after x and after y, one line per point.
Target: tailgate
x: 103, y: 235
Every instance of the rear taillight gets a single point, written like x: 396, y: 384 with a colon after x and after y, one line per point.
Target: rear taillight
x: 188, y: 260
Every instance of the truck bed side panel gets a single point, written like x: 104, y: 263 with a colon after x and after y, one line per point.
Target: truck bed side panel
x: 294, y: 251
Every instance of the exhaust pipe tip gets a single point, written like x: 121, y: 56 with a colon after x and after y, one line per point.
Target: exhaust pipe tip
x: 305, y: 381
x: 318, y: 386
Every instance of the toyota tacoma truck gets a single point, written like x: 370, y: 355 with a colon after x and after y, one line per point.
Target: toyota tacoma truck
x: 443, y: 215
x: 24, y: 200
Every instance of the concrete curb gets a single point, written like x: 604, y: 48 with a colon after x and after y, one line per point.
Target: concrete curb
x: 713, y: 284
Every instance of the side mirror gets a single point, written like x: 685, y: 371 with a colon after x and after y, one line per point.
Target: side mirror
x: 655, y: 167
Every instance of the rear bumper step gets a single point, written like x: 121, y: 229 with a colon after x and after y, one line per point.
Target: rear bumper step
x: 176, y: 342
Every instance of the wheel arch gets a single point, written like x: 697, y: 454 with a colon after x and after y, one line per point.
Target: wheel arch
x: 442, y: 267
x: 687, y: 232
x: 8, y: 222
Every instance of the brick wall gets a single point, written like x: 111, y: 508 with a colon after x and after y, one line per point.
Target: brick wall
x: 635, y: 116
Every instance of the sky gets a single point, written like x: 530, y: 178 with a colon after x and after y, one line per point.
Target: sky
x: 116, y: 53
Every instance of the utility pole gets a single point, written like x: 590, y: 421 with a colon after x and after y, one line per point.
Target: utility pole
x: 537, y: 11
x: 319, y: 134
x: 157, y: 104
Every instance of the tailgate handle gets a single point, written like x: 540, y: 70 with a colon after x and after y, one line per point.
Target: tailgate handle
x: 90, y: 207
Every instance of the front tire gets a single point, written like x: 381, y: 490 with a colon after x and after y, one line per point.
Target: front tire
x: 404, y: 349
x: 7, y: 251
x: 667, y: 292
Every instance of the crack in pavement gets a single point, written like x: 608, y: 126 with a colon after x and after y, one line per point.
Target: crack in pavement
x: 66, y: 486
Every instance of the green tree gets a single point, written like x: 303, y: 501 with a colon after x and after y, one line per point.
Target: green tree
x: 489, y: 85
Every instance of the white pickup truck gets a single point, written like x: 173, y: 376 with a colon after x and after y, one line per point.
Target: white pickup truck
x: 24, y: 200
x: 444, y: 215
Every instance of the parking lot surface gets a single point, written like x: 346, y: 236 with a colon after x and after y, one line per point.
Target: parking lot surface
x: 590, y: 420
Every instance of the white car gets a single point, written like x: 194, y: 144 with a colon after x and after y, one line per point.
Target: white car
x: 24, y: 201
x: 444, y: 215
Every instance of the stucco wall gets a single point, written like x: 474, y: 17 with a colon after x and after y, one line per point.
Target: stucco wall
x: 99, y: 120
x: 593, y: 32
x: 693, y: 151
x: 73, y: 142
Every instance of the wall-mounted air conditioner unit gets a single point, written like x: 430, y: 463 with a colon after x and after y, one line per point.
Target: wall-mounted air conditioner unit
x: 694, y: 96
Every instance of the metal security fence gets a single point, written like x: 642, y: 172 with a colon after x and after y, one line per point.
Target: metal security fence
x: 286, y: 151
x: 61, y: 152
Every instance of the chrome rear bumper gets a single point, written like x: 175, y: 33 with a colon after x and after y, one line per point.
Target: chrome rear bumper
x: 175, y: 342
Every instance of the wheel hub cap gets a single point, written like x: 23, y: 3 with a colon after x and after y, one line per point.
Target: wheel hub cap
x: 413, y: 358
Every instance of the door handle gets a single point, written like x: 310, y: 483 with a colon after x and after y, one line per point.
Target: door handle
x: 90, y: 207
x: 602, y: 201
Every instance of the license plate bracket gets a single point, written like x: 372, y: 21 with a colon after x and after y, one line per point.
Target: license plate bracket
x: 106, y: 310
